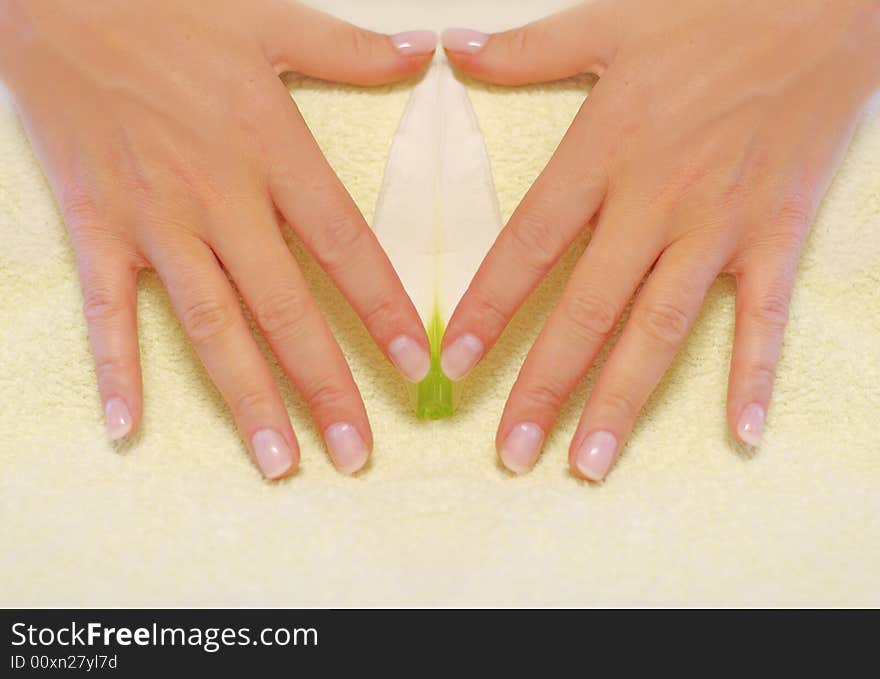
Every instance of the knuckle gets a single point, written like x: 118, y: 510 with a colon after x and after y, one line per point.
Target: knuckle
x: 207, y: 319
x: 621, y: 404
x: 782, y: 242
x: 795, y: 213
x: 543, y: 397
x: 78, y: 207
x: 324, y: 395
x: 490, y: 313
x: 140, y: 186
x: 736, y: 193
x: 381, y: 314
x: 788, y: 228
x: 762, y: 373
x: 523, y: 41
x: 590, y: 315
x: 255, y: 401
x: 534, y: 233
x: 337, y: 241
x: 280, y: 314
x: 361, y: 42
x: 109, y: 367
x: 172, y: 172
x: 687, y: 182
x: 665, y: 323
x: 518, y: 41
x: 100, y: 303
x: 196, y: 183
x: 772, y: 309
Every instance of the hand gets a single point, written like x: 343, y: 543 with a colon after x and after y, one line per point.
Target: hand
x: 171, y: 143
x: 705, y: 147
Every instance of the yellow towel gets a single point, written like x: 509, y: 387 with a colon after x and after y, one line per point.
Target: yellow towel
x: 179, y: 516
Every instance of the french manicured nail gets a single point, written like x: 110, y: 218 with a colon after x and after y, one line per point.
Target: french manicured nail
x: 596, y: 454
x: 751, y: 424
x: 273, y: 455
x: 347, y: 448
x: 520, y: 449
x: 118, y: 418
x: 464, y: 40
x: 409, y: 357
x: 415, y: 43
x: 461, y: 356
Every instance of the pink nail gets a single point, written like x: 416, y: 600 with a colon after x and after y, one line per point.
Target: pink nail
x: 409, y: 357
x: 520, y: 449
x: 118, y: 418
x: 751, y: 424
x: 415, y: 43
x: 347, y: 448
x: 461, y: 356
x: 272, y: 453
x: 596, y: 454
x: 464, y: 40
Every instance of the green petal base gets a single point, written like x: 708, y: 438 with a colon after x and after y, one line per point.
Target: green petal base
x: 436, y: 396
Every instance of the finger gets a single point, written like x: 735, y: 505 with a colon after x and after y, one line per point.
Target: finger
x: 109, y: 285
x: 600, y: 286
x: 271, y: 283
x: 557, y: 208
x: 656, y: 329
x: 763, y: 294
x: 578, y: 40
x: 210, y: 314
x: 108, y: 268
x: 319, y: 209
x: 302, y: 39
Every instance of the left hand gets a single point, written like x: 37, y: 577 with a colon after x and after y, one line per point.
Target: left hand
x: 705, y: 147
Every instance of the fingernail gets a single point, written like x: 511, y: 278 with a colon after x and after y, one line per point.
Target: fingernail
x: 118, y: 418
x: 464, y: 40
x: 520, y: 449
x: 347, y: 448
x: 751, y: 424
x: 596, y: 454
x: 273, y: 455
x: 409, y: 357
x: 461, y: 356
x: 415, y: 43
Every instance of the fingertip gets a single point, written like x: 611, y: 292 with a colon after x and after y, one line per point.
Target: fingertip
x: 275, y: 455
x: 463, y: 48
x: 409, y: 356
x: 595, y: 456
x: 521, y: 447
x: 415, y: 50
x: 348, y: 449
x: 118, y: 418
x: 461, y: 356
x: 749, y: 426
x: 411, y: 65
x: 463, y: 41
x: 415, y: 43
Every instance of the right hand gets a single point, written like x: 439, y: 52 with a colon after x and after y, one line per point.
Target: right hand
x: 171, y: 143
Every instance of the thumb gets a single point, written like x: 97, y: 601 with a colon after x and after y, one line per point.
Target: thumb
x: 578, y: 40
x: 305, y: 40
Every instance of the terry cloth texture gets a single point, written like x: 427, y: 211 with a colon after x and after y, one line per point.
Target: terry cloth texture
x: 179, y: 515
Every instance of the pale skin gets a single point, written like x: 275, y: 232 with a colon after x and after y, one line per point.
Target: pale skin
x: 705, y: 148
x: 170, y: 143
